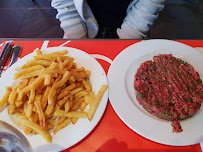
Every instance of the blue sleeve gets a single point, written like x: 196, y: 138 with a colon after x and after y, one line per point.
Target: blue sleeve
x: 141, y: 14
x: 73, y: 25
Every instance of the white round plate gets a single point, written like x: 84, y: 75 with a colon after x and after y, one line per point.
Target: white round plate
x: 71, y: 134
x: 123, y: 98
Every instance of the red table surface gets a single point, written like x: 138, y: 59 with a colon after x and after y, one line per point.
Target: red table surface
x: 111, y: 134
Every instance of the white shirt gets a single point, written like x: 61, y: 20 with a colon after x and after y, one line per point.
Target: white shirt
x: 77, y: 19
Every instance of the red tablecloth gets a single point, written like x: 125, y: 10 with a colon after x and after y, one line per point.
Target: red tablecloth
x: 111, y: 134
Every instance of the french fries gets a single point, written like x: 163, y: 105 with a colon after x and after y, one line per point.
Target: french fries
x: 62, y: 125
x: 4, y: 100
x: 94, y: 105
x: 38, y: 52
x: 12, y: 96
x: 52, y: 93
x: 37, y: 128
x: 72, y: 114
x: 58, y: 84
x: 27, y: 70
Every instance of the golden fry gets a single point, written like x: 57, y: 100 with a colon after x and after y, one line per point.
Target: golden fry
x: 29, y: 110
x: 17, y: 110
x: 34, y: 109
x: 49, y: 110
x: 22, y: 84
x: 77, y: 104
x: 32, y: 95
x: 43, y: 63
x: 88, y: 73
x: 72, y: 79
x: 96, y: 102
x: 62, y: 95
x: 77, y: 114
x: 38, y: 105
x: 74, y: 120
x: 23, y: 92
x: 37, y: 128
x: 61, y: 65
x: 18, y: 103
x: 4, y: 100
x: 12, y: 96
x: 67, y: 106
x: 79, y: 69
x: 48, y: 57
x: 57, y: 107
x: 38, y: 52
x: 27, y: 130
x: 31, y: 74
x: 51, y: 71
x: 58, y: 77
x: 60, y: 120
x: 37, y: 82
x: 79, y: 75
x: 27, y: 70
x: 87, y: 85
x: 76, y: 91
x: 69, y: 88
x: 70, y: 65
x: 55, y: 86
x: 54, y: 65
x: 62, y: 125
x: 19, y: 114
x: 83, y: 106
x: 63, y: 58
x: 27, y: 65
x: 34, y: 117
x: 11, y: 110
x: 47, y: 79
x: 90, y: 97
x: 25, y: 107
x: 63, y: 101
x: 31, y: 81
x: 80, y: 94
x: 45, y: 97
x: 63, y: 52
x: 65, y: 63
x: 51, y: 122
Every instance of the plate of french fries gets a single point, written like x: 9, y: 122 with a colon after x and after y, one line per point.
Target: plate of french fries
x: 55, y: 97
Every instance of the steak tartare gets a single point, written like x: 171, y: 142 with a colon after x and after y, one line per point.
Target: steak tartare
x: 169, y: 88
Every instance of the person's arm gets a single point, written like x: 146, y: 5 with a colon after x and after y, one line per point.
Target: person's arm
x: 140, y: 16
x: 71, y: 22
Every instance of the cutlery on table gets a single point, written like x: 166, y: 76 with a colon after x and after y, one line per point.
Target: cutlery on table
x: 14, y: 55
x: 6, y: 51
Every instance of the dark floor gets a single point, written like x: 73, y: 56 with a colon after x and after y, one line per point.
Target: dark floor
x: 180, y: 19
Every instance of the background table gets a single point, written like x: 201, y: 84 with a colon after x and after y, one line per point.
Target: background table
x: 111, y: 134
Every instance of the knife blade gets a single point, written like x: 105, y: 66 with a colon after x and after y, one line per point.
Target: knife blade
x: 4, y: 52
x: 14, y: 55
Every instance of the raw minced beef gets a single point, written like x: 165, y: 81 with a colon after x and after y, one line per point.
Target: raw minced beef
x: 169, y: 88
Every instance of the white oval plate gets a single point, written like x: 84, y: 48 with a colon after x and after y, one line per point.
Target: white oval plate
x: 123, y: 98
x: 71, y: 134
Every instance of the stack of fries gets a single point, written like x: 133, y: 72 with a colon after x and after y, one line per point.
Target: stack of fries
x: 52, y: 92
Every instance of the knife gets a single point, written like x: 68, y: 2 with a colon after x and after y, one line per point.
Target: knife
x: 14, y: 55
x: 4, y: 52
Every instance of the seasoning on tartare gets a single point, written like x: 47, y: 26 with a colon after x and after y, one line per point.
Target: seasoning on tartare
x: 169, y: 88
